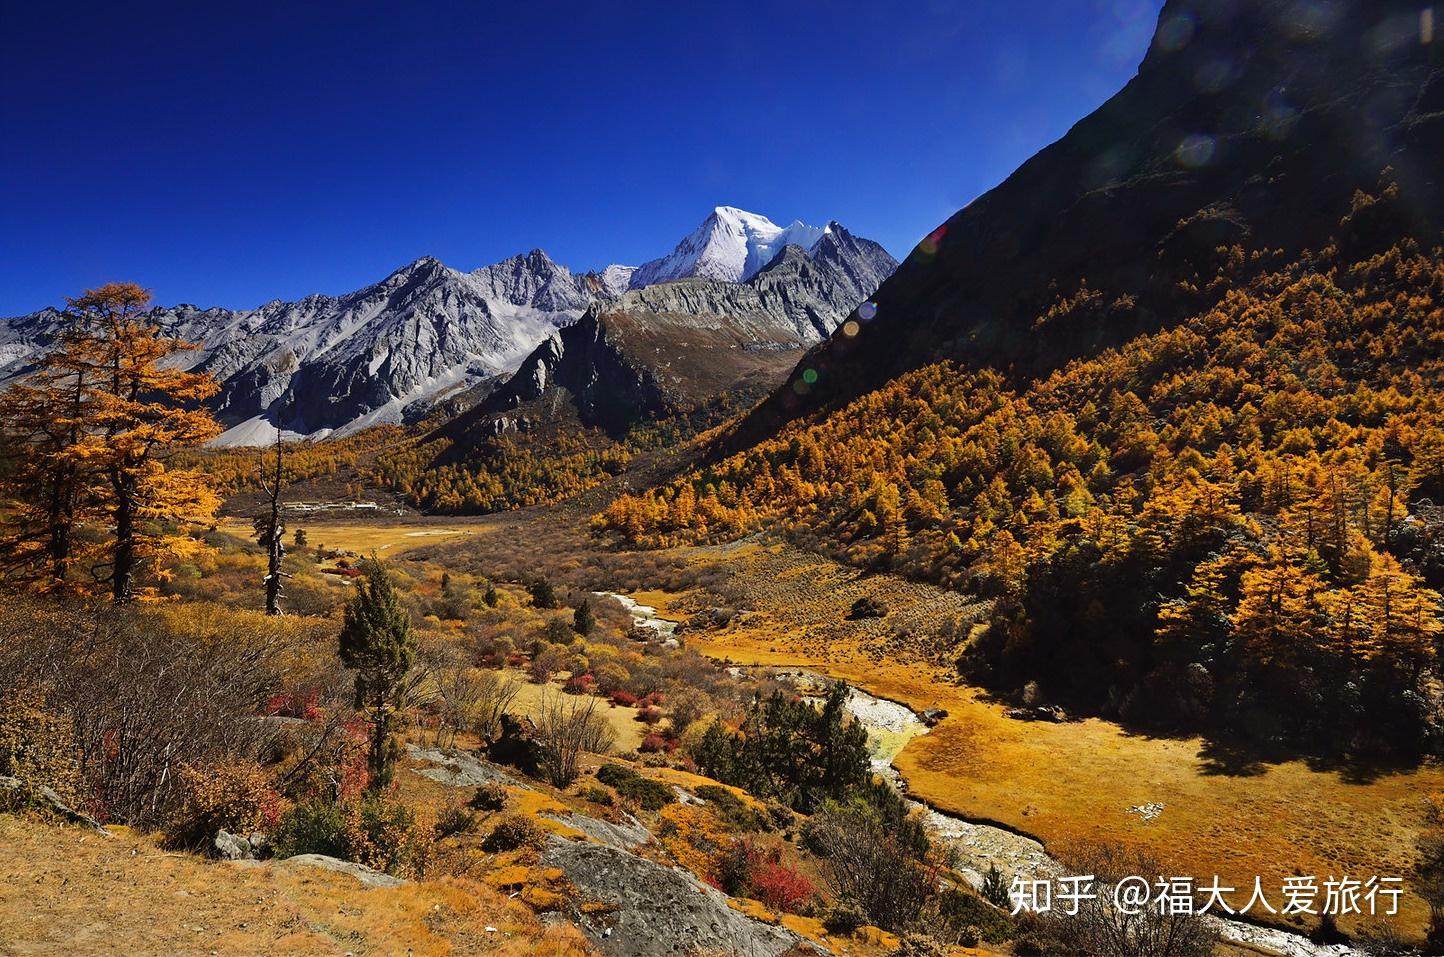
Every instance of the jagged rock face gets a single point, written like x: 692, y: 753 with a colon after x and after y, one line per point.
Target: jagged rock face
x: 668, y: 347
x: 1250, y: 123
x: 337, y: 364
x: 432, y: 337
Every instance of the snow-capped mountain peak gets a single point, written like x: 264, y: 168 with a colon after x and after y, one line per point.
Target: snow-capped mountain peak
x: 389, y: 352
x: 731, y: 244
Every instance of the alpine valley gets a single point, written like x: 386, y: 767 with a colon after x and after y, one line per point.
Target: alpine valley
x: 771, y: 597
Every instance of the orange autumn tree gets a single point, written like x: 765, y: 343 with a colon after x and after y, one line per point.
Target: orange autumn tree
x: 45, y: 489
x: 121, y: 412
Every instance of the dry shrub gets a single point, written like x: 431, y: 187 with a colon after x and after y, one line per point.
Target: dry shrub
x: 38, y: 746
x: 373, y: 830
x: 489, y: 797
x: 471, y: 700
x: 236, y: 796
x: 513, y: 832
x: 144, y: 695
x: 567, y: 726
x: 1101, y: 928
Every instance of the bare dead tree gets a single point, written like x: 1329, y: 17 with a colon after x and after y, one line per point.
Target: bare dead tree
x: 566, y: 727
x: 271, y: 526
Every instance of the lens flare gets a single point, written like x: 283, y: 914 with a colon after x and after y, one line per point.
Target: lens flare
x: 867, y: 311
x: 809, y: 376
x: 850, y: 328
x: 1175, y: 33
x: 1196, y: 151
x: 929, y: 246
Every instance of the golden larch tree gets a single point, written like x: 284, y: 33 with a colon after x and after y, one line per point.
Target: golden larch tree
x: 98, y: 422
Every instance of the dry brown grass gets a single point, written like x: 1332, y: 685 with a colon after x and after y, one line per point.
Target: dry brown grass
x: 1073, y: 782
x: 66, y: 891
x: 622, y: 720
x: 384, y: 538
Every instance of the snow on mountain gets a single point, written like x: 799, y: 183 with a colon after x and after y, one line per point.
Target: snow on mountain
x: 330, y: 365
x: 388, y: 353
x: 731, y: 244
x: 617, y: 279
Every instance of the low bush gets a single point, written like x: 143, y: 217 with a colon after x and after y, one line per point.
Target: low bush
x: 647, y: 794
x: 652, y: 743
x: 843, y: 919
x: 781, y: 887
x: 968, y: 914
x: 732, y: 809
x: 374, y: 830
x: 236, y: 796
x: 313, y: 827
x: 579, y: 684
x: 456, y: 820
x: 489, y: 797
x: 745, y: 870
x: 386, y: 835
x: 513, y: 832
x: 613, y: 775
x: 598, y: 796
x: 919, y: 945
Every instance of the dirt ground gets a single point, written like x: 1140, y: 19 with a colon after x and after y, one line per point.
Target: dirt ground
x: 67, y: 891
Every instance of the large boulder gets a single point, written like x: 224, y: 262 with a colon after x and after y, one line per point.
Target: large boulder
x: 658, y: 911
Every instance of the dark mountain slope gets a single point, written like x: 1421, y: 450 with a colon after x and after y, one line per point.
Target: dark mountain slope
x: 1248, y: 124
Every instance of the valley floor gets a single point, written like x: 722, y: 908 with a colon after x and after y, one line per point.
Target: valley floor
x: 1076, y: 781
x: 1224, y: 814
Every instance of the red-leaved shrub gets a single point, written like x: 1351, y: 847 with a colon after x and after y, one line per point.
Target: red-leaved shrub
x: 579, y: 684
x: 780, y: 887
x: 746, y: 870
x: 652, y: 743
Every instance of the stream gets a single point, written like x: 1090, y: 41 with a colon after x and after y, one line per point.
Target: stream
x: 891, y: 726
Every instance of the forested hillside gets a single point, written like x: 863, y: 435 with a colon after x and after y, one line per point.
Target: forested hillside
x: 1226, y: 523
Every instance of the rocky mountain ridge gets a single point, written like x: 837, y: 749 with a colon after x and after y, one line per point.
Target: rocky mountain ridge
x: 428, y: 333
x: 668, y: 347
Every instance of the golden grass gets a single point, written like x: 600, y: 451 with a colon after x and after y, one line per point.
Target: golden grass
x: 623, y: 720
x: 367, y: 537
x: 66, y: 891
x: 665, y: 603
x: 1073, y: 782
x: 1066, y: 783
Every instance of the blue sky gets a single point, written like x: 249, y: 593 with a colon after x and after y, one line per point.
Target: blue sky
x: 230, y: 153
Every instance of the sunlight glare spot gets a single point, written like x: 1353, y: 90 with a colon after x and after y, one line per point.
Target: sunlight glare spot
x: 1175, y: 33
x: 1195, y: 151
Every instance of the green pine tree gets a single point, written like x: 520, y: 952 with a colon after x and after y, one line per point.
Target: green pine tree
x: 585, y: 619
x: 377, y: 644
